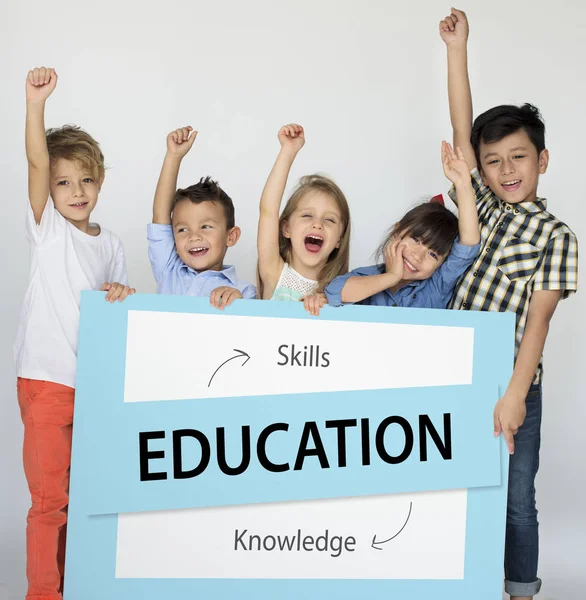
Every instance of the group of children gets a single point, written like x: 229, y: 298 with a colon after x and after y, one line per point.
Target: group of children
x: 503, y: 252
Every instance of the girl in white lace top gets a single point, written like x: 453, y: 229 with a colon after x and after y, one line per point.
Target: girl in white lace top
x: 303, y: 249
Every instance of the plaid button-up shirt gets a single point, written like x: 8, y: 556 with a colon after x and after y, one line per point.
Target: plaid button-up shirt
x: 524, y: 248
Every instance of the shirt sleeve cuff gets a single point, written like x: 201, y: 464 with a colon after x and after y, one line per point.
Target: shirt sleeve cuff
x: 157, y: 232
x: 333, y: 290
x: 249, y: 292
x: 461, y: 251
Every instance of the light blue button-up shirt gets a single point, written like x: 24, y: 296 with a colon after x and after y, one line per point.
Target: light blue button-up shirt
x: 174, y: 277
x: 434, y: 292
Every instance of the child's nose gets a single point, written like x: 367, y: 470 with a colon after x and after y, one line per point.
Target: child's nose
x: 77, y: 190
x: 507, y: 167
x: 420, y: 253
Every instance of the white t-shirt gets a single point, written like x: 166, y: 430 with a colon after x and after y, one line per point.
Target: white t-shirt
x: 64, y: 261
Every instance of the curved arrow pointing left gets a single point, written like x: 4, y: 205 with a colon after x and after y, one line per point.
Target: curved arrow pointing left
x: 374, y: 541
x: 240, y: 354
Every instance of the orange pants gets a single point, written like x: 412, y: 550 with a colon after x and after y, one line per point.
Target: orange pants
x: 47, y: 414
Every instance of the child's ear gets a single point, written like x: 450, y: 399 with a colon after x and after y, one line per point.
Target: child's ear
x: 482, y: 176
x: 233, y: 236
x: 543, y: 161
x: 285, y: 229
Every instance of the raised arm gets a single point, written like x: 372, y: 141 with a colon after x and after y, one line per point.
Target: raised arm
x: 292, y: 138
x: 179, y: 143
x: 457, y: 170
x: 40, y: 83
x: 454, y: 32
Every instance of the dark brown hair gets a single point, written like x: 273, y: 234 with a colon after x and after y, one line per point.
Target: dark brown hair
x: 499, y: 122
x: 433, y: 224
x: 207, y: 190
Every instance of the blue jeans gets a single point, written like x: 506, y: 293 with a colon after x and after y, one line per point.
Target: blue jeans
x: 522, y: 540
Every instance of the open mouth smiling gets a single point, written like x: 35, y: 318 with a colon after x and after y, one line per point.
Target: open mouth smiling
x: 198, y: 251
x: 313, y: 243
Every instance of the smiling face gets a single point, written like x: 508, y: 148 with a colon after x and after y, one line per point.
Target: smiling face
x: 315, y: 229
x: 74, y: 190
x: 419, y: 260
x: 511, y: 167
x: 201, y: 234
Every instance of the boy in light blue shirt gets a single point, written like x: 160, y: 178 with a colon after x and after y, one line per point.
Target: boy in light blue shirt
x: 191, y: 232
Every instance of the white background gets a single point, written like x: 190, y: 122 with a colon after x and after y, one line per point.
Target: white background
x: 367, y: 80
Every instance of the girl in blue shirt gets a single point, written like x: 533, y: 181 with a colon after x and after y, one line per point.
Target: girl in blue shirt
x: 424, y: 254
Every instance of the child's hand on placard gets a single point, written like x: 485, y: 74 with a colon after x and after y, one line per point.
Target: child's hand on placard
x: 40, y: 83
x: 509, y: 415
x: 394, y: 257
x: 314, y: 303
x: 180, y: 141
x: 454, y: 28
x: 456, y: 168
x: 117, y: 291
x: 224, y: 296
x: 291, y: 137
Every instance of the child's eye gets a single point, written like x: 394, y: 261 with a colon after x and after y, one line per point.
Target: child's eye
x: 416, y: 240
x: 88, y: 180
x: 492, y: 162
x: 433, y: 255
x: 62, y: 182
x: 519, y: 156
x: 206, y: 226
x: 182, y: 230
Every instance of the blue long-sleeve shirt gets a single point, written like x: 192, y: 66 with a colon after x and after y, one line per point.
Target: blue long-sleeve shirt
x: 173, y: 276
x: 434, y: 292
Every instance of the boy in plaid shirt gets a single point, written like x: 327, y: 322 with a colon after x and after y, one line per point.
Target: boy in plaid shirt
x: 528, y: 262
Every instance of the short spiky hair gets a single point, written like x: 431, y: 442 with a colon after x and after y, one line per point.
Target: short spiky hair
x: 499, y: 122
x: 207, y: 190
x: 73, y: 143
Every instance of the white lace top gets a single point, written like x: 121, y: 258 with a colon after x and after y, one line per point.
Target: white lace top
x: 292, y: 286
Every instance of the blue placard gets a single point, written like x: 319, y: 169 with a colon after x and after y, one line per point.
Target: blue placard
x: 410, y: 439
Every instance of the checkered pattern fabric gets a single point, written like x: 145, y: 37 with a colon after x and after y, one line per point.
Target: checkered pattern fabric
x: 524, y: 249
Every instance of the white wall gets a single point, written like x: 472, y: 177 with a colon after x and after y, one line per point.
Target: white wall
x: 367, y: 80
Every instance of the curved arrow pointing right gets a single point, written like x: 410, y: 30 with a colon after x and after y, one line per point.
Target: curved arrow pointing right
x: 240, y: 354
x: 374, y: 542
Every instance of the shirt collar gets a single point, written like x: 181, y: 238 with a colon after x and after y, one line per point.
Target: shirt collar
x: 229, y: 272
x: 539, y: 205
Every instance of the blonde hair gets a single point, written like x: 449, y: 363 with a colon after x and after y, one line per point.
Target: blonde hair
x: 339, y: 259
x: 73, y: 143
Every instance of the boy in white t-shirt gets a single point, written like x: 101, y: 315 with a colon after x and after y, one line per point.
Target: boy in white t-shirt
x: 68, y: 254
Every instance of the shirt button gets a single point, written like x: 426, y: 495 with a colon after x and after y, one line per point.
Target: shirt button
x: 465, y: 305
x: 414, y: 296
x: 487, y: 249
x: 516, y: 211
x: 475, y: 273
x: 508, y: 208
